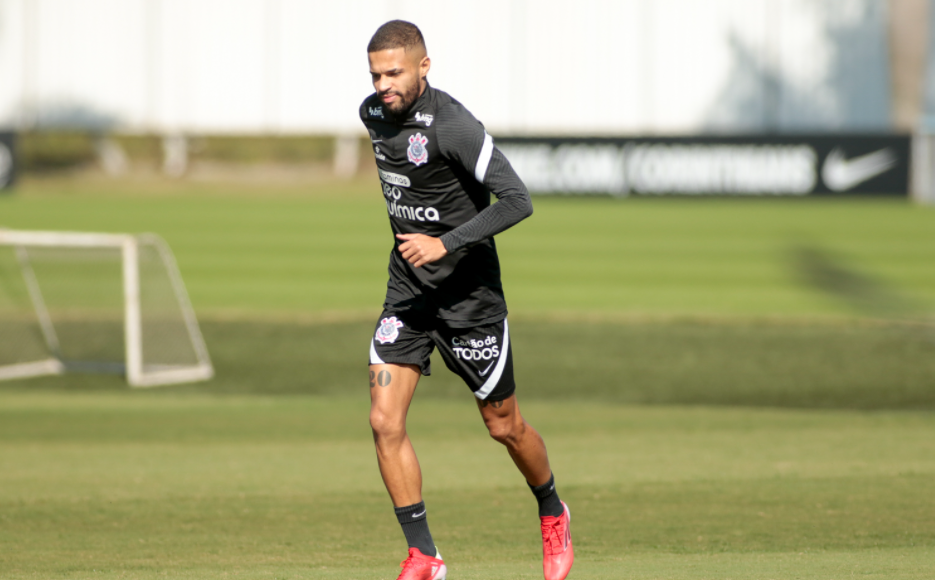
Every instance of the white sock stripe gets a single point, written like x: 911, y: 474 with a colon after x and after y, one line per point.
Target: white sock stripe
x: 374, y: 357
x: 482, y: 392
x: 486, y: 152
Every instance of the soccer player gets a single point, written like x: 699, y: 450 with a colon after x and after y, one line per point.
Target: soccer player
x: 438, y: 167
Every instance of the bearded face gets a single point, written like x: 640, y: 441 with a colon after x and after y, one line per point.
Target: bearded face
x: 404, y: 97
x: 398, y: 77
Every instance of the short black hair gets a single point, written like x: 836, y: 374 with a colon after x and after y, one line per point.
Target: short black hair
x: 396, y: 34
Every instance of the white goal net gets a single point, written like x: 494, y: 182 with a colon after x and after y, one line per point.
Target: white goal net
x: 110, y: 303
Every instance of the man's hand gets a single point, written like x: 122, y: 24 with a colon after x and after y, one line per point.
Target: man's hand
x: 419, y: 249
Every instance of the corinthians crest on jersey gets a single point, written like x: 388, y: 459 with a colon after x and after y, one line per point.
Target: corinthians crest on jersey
x: 417, y: 152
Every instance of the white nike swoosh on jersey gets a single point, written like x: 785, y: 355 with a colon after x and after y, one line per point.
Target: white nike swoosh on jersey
x: 422, y: 513
x: 841, y: 174
x: 486, y: 370
x: 376, y: 140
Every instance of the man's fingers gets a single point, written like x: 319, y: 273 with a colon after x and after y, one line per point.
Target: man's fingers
x: 407, y: 249
x: 414, y: 256
x: 418, y: 249
x: 410, y: 252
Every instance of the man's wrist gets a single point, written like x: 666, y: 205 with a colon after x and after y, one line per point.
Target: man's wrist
x: 448, y: 242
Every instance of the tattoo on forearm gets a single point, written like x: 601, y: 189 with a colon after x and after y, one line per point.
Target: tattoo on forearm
x: 494, y: 404
x: 384, y: 378
x: 373, y: 383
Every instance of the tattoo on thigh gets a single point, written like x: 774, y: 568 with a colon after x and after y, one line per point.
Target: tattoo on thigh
x: 494, y: 404
x: 384, y: 378
x: 373, y: 383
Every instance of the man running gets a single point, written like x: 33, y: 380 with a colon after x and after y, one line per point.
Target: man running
x: 438, y: 167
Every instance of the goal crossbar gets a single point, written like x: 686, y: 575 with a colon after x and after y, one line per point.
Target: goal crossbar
x: 62, y: 239
x: 137, y: 374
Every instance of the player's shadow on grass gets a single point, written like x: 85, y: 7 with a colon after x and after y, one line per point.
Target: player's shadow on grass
x: 864, y: 293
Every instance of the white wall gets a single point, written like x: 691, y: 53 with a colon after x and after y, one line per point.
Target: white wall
x: 522, y: 66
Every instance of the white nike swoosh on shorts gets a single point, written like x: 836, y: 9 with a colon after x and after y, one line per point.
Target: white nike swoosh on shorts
x: 486, y: 370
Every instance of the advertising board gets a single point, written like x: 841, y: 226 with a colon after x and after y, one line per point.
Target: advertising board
x: 789, y: 165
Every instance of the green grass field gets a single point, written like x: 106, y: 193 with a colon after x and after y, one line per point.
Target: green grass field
x: 193, y: 486
x: 708, y: 413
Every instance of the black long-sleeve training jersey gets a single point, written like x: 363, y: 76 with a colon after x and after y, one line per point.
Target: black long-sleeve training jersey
x: 438, y: 167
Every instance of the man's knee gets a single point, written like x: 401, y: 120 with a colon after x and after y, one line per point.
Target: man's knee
x: 385, y: 426
x: 505, y: 430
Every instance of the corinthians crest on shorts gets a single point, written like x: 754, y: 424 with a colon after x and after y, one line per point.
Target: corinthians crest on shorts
x: 417, y: 152
x: 388, y: 330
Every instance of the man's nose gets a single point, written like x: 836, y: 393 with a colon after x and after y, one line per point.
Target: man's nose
x: 383, y: 84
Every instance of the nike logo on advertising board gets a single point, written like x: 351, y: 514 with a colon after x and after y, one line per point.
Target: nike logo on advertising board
x: 841, y: 174
x: 484, y: 372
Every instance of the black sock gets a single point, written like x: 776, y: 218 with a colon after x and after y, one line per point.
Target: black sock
x: 549, y: 504
x: 416, y: 527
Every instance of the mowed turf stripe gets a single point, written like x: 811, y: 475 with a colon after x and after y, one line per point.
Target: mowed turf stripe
x: 868, y: 366
x: 350, y: 531
x: 883, y: 564
x: 221, y: 443
x: 323, y: 251
x: 145, y: 485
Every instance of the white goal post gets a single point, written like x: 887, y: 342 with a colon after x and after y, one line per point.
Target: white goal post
x: 145, y: 365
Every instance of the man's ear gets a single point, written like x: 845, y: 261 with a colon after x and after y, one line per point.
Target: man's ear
x: 424, y: 66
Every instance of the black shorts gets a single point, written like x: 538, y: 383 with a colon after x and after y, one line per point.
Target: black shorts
x: 480, y: 355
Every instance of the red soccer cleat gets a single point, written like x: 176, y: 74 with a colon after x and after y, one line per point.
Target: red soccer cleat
x: 418, y: 566
x: 557, y: 553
